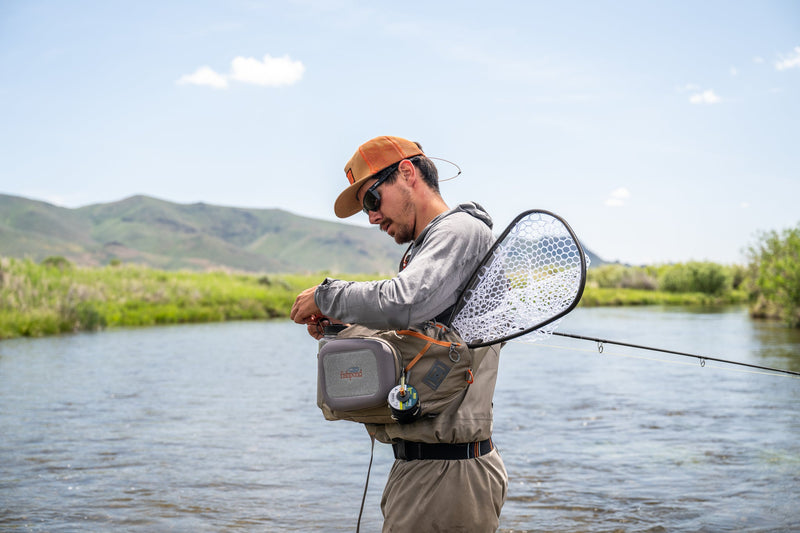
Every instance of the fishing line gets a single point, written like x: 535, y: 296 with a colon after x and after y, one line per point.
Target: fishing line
x: 366, y: 485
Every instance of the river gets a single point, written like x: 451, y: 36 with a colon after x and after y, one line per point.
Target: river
x: 214, y: 427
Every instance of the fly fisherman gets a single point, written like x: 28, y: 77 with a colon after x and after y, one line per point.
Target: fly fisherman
x: 447, y: 475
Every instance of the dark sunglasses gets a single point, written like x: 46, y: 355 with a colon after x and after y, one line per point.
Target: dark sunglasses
x: 372, y: 198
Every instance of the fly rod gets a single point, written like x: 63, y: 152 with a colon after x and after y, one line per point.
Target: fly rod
x: 702, y: 358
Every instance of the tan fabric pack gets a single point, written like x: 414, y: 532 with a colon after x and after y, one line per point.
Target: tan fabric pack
x: 437, y: 362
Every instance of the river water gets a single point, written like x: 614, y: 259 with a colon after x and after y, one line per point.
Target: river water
x: 214, y: 428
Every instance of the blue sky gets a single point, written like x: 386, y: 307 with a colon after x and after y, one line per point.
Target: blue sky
x: 662, y: 131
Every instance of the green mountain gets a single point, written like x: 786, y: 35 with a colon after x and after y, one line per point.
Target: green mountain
x: 173, y: 236
x: 199, y: 236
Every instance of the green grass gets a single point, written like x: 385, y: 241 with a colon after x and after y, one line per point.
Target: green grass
x: 57, y: 297
x: 598, y: 296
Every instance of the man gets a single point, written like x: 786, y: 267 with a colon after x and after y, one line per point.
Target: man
x: 447, y: 476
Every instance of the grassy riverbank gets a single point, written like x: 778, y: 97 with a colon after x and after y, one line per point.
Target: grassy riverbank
x: 693, y: 283
x: 597, y: 296
x: 57, y: 297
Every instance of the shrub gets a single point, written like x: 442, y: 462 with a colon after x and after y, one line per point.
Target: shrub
x: 705, y: 278
x: 738, y: 276
x: 618, y: 276
x: 57, y: 261
x: 775, y: 270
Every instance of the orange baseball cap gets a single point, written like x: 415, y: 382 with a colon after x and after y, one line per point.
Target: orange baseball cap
x: 370, y: 158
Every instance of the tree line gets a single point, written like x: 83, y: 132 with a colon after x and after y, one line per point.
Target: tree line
x: 769, y: 283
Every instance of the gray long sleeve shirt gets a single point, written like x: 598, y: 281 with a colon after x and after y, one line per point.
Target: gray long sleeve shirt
x: 440, y: 264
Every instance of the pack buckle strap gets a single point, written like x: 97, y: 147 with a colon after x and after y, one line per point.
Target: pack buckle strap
x: 415, y: 451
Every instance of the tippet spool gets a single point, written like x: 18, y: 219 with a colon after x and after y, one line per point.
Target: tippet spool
x: 404, y: 403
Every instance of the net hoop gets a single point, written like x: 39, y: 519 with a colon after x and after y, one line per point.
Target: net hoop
x: 533, y: 275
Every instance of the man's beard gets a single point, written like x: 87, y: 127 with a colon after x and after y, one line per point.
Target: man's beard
x: 404, y: 233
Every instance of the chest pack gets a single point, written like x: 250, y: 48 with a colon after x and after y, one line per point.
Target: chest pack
x: 386, y: 376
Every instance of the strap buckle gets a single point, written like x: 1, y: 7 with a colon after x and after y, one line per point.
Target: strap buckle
x: 407, y: 450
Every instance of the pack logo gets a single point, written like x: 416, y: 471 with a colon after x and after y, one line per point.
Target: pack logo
x: 350, y: 373
x: 436, y: 375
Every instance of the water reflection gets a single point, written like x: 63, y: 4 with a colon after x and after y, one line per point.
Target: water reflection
x: 777, y: 344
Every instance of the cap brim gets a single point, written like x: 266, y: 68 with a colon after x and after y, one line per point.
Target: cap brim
x: 347, y: 204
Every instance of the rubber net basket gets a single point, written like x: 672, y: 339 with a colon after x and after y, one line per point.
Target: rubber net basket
x: 533, y: 276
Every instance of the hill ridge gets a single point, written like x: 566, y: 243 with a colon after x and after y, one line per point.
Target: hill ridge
x: 198, y: 236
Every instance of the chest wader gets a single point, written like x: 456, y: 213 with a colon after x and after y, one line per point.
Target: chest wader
x: 396, y: 377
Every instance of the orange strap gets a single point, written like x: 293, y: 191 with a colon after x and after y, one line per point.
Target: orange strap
x: 427, y: 346
x: 417, y: 357
x: 425, y: 337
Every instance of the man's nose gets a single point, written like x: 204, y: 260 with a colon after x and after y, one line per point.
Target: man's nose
x: 375, y: 217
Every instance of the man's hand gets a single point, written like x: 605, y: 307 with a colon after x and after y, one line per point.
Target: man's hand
x: 305, y: 310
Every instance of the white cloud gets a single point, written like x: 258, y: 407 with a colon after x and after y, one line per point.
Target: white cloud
x: 270, y: 72
x: 618, y: 197
x: 734, y: 71
x: 706, y: 97
x: 790, y: 61
x: 744, y: 205
x: 204, y: 76
x: 700, y: 96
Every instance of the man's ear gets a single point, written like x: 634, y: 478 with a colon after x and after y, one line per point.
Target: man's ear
x: 408, y: 171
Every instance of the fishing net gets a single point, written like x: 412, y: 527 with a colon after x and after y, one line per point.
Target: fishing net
x: 533, y: 276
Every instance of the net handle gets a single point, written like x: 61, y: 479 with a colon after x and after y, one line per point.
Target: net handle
x: 461, y: 302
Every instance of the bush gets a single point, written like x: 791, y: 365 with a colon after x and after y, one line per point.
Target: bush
x: 705, y: 278
x: 623, y: 277
x: 775, y: 270
x: 57, y: 261
x: 738, y: 276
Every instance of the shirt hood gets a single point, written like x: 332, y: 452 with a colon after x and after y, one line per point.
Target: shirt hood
x: 471, y: 208
x: 476, y: 210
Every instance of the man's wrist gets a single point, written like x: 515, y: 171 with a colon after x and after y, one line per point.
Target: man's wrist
x: 320, y: 290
